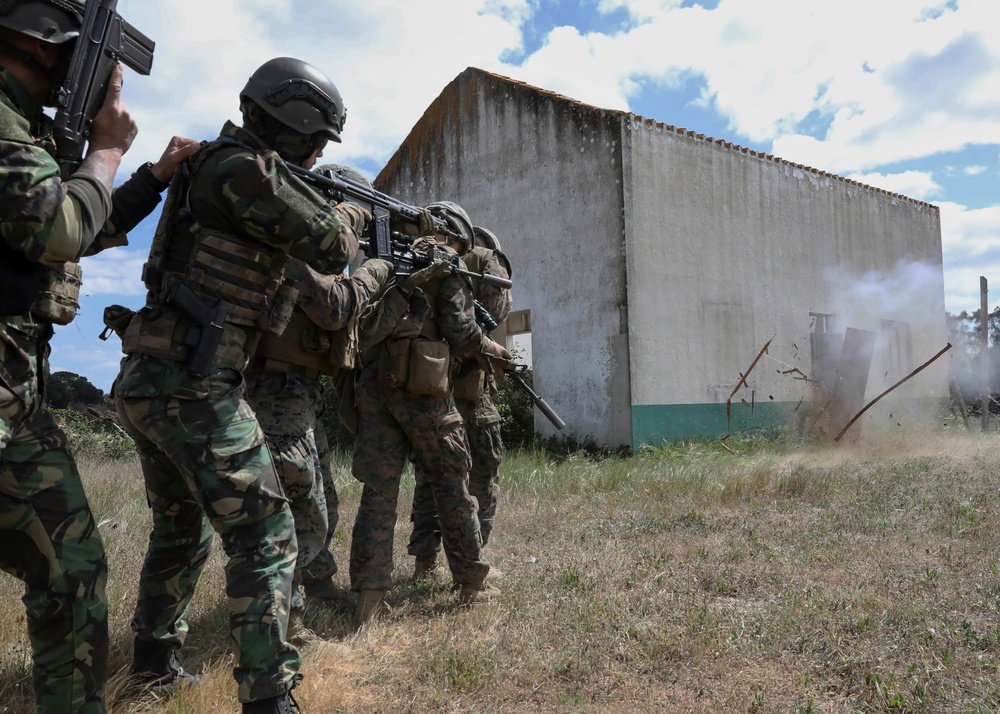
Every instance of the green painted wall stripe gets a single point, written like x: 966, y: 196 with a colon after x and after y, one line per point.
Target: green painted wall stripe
x: 652, y: 424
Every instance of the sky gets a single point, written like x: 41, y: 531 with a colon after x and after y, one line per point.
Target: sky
x: 903, y: 95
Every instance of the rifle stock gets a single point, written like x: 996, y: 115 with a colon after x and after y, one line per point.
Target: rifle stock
x: 381, y: 241
x: 105, y: 40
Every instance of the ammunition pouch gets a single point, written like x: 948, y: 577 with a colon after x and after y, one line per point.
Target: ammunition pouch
x: 305, y: 345
x: 419, y: 366
x: 116, y: 319
x: 246, y: 276
x: 470, y: 382
x: 58, y: 297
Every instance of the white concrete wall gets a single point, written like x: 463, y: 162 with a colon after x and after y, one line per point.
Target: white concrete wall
x: 728, y: 250
x: 544, y: 174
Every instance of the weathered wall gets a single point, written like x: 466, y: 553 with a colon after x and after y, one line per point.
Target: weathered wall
x: 545, y: 174
x: 728, y: 249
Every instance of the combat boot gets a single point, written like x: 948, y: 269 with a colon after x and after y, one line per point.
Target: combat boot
x: 469, y: 595
x: 156, y: 668
x: 322, y: 590
x: 282, y: 704
x: 370, y: 604
x: 425, y: 567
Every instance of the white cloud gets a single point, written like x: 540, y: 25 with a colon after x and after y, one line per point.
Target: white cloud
x: 970, y: 248
x: 114, y: 272
x: 974, y: 170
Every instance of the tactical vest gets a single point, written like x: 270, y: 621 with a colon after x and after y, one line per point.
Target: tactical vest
x: 310, y: 348
x: 221, y: 269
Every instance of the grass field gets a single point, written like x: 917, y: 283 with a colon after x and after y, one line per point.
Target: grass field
x: 780, y: 578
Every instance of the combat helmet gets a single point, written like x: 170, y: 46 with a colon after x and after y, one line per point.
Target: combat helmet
x: 297, y: 95
x: 345, y: 171
x: 457, y: 219
x: 486, y: 238
x: 53, y: 21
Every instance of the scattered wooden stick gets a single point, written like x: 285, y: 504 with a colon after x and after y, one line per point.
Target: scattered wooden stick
x: 870, y: 404
x: 743, y: 377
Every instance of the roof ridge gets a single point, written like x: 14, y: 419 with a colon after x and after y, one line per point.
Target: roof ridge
x: 641, y: 120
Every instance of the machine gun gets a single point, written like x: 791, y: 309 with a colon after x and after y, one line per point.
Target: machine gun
x: 105, y: 40
x: 515, y: 372
x: 381, y: 241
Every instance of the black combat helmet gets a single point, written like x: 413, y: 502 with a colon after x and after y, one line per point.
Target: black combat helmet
x: 54, y: 21
x: 457, y: 218
x: 298, y: 95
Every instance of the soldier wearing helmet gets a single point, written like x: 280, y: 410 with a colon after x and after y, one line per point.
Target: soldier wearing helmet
x: 405, y: 408
x: 474, y: 389
x: 285, y: 390
x: 216, y: 286
x: 48, y: 223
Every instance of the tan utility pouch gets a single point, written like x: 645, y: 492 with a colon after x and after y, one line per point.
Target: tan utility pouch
x: 58, y: 296
x: 469, y: 387
x: 430, y: 368
x: 281, y: 312
x: 394, y: 363
x: 116, y: 319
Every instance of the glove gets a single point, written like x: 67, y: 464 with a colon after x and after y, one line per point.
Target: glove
x: 437, y: 269
x: 423, y: 227
x: 494, y: 350
x: 355, y: 216
x: 379, y: 269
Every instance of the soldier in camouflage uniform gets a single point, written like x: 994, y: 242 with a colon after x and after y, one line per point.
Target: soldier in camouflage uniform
x: 215, y: 280
x: 474, y: 389
x: 284, y: 389
x: 405, y: 408
x: 50, y: 538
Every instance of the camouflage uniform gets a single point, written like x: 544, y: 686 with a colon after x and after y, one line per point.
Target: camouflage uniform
x: 395, y: 424
x: 51, y: 541
x: 286, y: 393
x: 203, y: 454
x: 482, y: 422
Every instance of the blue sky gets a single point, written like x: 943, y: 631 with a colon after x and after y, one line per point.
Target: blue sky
x: 901, y: 94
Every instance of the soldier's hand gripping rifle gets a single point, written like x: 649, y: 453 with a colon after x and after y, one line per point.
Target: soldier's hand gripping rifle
x: 381, y: 241
x: 515, y: 372
x: 105, y: 40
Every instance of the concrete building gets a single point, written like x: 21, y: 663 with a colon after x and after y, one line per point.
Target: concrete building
x: 652, y: 264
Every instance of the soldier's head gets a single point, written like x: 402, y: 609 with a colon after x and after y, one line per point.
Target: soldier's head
x: 294, y: 108
x: 37, y: 39
x: 459, y: 222
x: 486, y: 238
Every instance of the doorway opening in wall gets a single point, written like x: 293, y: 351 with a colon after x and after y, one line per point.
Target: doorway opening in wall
x: 518, y: 335
x: 897, y: 349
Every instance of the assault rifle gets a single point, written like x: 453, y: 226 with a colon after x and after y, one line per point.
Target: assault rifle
x: 382, y: 242
x: 105, y: 40
x: 516, y: 371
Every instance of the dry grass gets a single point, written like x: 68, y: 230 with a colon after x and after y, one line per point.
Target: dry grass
x: 780, y: 579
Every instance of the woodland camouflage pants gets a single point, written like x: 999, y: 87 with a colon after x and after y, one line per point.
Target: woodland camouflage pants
x: 206, y: 466
x: 482, y: 429
x: 51, y: 542
x: 392, y: 425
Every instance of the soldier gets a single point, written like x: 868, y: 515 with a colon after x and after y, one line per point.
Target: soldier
x: 51, y: 541
x: 215, y: 281
x: 285, y: 390
x: 474, y: 389
x: 405, y: 407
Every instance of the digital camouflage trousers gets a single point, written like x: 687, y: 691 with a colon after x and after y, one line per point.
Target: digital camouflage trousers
x: 289, y: 408
x: 51, y: 542
x: 482, y: 429
x: 206, y: 466
x: 393, y: 425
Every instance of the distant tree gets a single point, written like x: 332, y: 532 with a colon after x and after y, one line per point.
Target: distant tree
x: 65, y: 389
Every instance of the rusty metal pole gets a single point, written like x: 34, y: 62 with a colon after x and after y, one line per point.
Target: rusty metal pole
x: 984, y: 349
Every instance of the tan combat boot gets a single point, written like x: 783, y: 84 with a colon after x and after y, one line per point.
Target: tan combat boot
x: 371, y: 603
x: 425, y: 567
x: 470, y: 595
